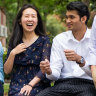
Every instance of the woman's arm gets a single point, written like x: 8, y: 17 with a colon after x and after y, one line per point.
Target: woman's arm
x: 9, y: 63
x: 10, y: 60
x: 34, y: 81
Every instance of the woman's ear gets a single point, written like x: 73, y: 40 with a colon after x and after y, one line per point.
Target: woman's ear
x: 20, y: 22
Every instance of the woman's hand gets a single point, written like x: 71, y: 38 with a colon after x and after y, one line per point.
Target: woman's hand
x: 45, y: 67
x: 19, y: 48
x: 26, y: 90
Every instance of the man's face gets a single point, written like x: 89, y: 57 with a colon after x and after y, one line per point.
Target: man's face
x: 73, y: 20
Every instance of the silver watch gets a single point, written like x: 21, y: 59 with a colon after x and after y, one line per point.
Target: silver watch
x: 82, y: 60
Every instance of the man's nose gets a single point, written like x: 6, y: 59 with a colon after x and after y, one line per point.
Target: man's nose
x: 68, y: 20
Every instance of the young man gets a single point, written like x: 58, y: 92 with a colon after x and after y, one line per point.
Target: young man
x: 68, y: 64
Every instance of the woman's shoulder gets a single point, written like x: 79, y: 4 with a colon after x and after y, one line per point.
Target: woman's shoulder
x: 45, y: 37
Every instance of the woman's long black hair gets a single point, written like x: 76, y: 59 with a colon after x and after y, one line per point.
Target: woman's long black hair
x: 18, y: 30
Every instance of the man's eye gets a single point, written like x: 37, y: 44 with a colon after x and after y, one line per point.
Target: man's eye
x: 72, y: 17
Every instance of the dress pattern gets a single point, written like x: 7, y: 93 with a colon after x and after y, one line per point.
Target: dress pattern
x: 26, y: 67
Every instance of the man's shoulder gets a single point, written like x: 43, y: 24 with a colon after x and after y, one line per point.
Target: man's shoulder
x: 62, y: 35
x: 89, y: 29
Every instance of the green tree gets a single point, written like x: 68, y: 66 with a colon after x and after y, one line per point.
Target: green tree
x: 45, y: 7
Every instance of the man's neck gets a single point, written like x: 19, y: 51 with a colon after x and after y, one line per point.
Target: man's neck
x: 79, y: 34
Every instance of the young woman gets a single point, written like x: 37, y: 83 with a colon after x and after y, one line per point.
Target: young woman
x: 27, y: 47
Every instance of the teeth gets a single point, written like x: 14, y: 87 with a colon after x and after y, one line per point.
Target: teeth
x: 29, y: 24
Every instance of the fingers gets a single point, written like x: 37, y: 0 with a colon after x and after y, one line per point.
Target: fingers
x: 44, y: 66
x: 44, y: 63
x: 22, y: 90
x: 26, y: 90
x: 26, y: 93
x: 19, y: 48
x: 70, y: 54
x: 68, y: 50
x: 46, y: 60
x: 23, y: 45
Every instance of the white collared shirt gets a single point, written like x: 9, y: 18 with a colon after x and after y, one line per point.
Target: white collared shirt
x: 60, y: 66
x: 92, y: 47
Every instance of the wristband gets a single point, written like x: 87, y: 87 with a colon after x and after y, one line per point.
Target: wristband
x: 30, y: 85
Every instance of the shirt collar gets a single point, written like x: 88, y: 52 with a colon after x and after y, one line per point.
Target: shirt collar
x: 86, y: 36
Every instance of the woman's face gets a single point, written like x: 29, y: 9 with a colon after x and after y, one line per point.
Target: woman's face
x: 29, y: 20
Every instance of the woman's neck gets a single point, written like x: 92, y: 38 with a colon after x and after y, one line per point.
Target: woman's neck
x: 29, y: 38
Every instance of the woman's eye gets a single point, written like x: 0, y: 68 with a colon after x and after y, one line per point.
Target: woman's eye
x: 26, y: 16
x: 34, y: 16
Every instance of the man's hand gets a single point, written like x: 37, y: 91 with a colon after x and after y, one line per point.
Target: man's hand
x: 45, y: 67
x: 71, y: 55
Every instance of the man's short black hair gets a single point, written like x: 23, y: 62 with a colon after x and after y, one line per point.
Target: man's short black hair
x: 81, y: 8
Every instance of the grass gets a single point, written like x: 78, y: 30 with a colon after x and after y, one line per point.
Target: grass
x: 6, y: 88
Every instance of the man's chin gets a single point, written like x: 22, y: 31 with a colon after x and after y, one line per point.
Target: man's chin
x: 69, y: 28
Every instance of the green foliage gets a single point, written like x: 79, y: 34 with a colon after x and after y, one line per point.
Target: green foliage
x: 45, y: 7
x: 52, y: 83
x: 6, y: 88
x: 93, y: 6
x: 54, y: 26
x: 4, y: 56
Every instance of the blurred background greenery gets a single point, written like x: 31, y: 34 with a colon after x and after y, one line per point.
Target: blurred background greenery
x: 49, y: 9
